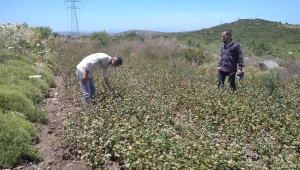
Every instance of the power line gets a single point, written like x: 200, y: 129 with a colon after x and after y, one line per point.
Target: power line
x: 74, y: 22
x: 85, y: 4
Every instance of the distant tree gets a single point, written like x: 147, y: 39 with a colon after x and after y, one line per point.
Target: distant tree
x: 55, y: 34
x: 101, y: 39
x: 25, y: 25
x: 133, y: 36
x: 43, y: 32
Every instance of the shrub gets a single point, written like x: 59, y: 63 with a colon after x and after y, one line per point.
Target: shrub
x: 100, y: 39
x: 193, y: 54
x: 23, y: 52
x: 47, y: 77
x: 55, y: 34
x: 17, y: 72
x: 16, y: 101
x: 50, y: 62
x: 16, y: 138
x: 20, y: 93
x: 133, y: 36
x: 43, y: 32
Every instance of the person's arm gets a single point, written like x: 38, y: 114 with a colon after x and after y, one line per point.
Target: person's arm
x: 219, y: 67
x: 240, y: 60
x: 110, y: 88
x: 106, y: 80
x: 219, y: 63
x: 85, y: 76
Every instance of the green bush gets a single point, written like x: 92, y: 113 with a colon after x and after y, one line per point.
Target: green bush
x: 32, y: 90
x: 193, y: 54
x: 55, y: 35
x: 47, y: 76
x: 16, y: 101
x: 101, y: 39
x: 43, y: 32
x: 16, y: 138
x: 20, y: 95
x: 16, y: 74
x: 50, y: 61
x: 133, y: 36
x: 16, y: 70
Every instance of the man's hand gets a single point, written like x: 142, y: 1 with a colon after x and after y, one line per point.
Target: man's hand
x: 218, y: 68
x: 239, y: 71
x: 84, y: 78
x: 110, y: 88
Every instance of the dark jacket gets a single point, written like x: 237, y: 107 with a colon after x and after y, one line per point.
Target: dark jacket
x: 231, y: 57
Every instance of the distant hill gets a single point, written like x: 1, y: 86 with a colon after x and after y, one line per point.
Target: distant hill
x: 243, y: 29
x: 68, y: 33
x: 257, y: 29
x: 121, y: 32
x: 143, y: 33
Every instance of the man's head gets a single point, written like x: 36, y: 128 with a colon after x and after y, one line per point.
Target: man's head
x: 226, y: 36
x: 116, y: 61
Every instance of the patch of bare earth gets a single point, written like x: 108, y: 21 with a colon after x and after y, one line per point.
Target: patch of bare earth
x: 56, y: 155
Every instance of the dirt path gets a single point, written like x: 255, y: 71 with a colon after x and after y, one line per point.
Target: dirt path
x: 55, y: 154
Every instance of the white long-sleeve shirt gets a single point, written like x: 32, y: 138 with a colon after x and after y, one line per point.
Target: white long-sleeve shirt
x: 95, y: 62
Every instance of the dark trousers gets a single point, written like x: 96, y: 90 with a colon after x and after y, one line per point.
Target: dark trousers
x: 231, y: 79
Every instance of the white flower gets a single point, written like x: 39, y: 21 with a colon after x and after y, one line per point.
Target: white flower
x: 290, y: 53
x: 35, y: 76
x: 38, y: 44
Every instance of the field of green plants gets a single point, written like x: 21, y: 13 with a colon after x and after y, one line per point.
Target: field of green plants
x: 167, y: 112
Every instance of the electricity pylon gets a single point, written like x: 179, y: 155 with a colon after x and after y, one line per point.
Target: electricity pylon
x: 74, y: 23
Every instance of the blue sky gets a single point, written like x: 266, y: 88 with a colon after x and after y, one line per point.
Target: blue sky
x: 163, y: 15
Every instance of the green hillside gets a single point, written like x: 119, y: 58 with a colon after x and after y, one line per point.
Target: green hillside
x: 257, y: 37
x: 248, y: 29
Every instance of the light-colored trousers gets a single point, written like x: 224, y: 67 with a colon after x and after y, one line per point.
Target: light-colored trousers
x: 88, y: 88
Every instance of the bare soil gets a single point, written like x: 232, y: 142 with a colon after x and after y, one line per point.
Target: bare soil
x: 56, y: 155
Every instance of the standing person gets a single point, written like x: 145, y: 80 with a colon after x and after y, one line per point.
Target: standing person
x: 89, y: 65
x: 231, y: 61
